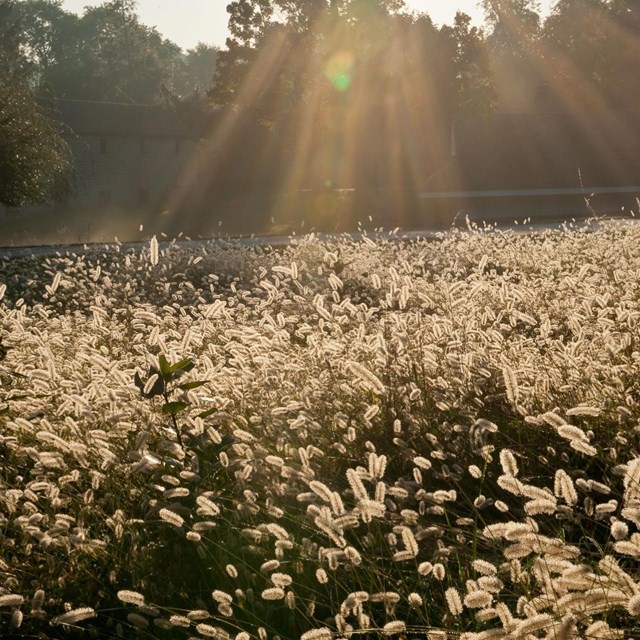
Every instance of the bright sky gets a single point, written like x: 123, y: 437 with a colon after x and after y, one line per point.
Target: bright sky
x: 187, y: 22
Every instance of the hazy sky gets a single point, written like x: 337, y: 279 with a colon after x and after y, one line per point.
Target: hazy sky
x: 188, y: 22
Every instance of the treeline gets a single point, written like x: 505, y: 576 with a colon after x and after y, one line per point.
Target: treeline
x: 363, y: 94
x: 310, y: 94
x: 106, y: 54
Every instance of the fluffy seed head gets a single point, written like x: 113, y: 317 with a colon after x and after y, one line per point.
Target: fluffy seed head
x: 221, y: 597
x: 11, y: 600
x: 74, y: 616
x: 131, y: 597
x: 324, y: 633
x: 508, y: 463
x: 171, y: 517
x: 454, y: 603
x: 392, y: 628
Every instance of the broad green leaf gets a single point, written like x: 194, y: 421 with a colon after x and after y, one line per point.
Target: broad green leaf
x: 157, y: 389
x: 165, y: 367
x: 183, y: 365
x: 138, y: 381
x: 192, y: 385
x: 173, y: 408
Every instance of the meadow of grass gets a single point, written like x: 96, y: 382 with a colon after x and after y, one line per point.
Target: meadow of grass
x: 343, y: 439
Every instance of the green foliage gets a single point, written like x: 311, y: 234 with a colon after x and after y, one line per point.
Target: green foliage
x: 106, y: 54
x: 196, y: 72
x: 377, y: 82
x: 351, y: 68
x: 35, y: 160
x: 166, y: 376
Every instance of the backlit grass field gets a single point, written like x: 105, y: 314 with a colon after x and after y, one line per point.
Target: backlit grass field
x: 344, y: 439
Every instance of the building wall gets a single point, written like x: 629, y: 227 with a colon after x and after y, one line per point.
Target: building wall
x: 124, y: 173
x: 137, y: 173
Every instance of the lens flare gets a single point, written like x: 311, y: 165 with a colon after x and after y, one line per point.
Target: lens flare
x: 339, y: 70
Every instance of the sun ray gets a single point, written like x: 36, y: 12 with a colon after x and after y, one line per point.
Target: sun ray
x: 581, y: 116
x: 217, y: 142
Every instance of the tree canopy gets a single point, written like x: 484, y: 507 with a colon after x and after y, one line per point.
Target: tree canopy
x: 346, y: 91
x: 342, y: 85
x: 339, y: 93
x: 35, y: 160
x: 107, y: 54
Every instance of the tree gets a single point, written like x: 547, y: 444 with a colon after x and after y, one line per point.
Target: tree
x: 106, y: 54
x: 471, y: 68
x: 196, y: 72
x: 515, y: 25
x: 316, y: 62
x: 118, y: 58
x: 621, y: 82
x: 576, y: 49
x: 513, y: 48
x: 47, y: 34
x: 35, y: 160
x: 349, y: 93
x: 9, y: 36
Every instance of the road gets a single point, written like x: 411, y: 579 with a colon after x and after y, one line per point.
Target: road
x: 281, y: 241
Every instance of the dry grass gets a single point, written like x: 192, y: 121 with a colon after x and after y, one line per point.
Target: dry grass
x: 356, y: 439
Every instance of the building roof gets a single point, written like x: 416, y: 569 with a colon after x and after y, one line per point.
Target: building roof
x: 108, y: 118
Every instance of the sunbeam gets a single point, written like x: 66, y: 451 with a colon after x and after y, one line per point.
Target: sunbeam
x: 343, y: 118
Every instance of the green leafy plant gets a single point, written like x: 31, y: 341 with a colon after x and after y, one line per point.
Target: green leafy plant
x: 163, y: 382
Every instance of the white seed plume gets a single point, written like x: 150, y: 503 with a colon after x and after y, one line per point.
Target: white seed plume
x: 454, y: 603
x: 131, y: 597
x: 324, y: 633
x: 439, y: 572
x: 478, y: 599
x: 321, y: 576
x: 508, y: 463
x: 563, y: 487
x: 171, y: 517
x: 356, y: 485
x: 484, y: 567
x: 209, y: 631
x: 11, y: 600
x: 207, y: 507
x: 584, y: 411
x: 511, y: 384
x: 362, y: 373
x: 221, y: 597
x: 180, y: 621
x: 321, y: 490
x: 281, y: 579
x: 74, y: 616
x: 153, y: 251
x: 415, y: 600
x: 619, y: 530
x: 393, y: 628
